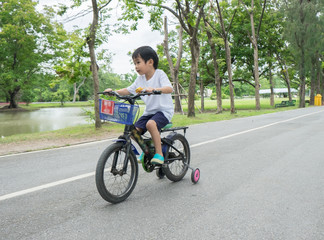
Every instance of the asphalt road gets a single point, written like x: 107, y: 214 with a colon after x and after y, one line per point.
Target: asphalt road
x: 261, y: 178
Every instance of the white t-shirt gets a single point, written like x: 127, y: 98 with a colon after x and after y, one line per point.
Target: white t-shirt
x: 155, y: 103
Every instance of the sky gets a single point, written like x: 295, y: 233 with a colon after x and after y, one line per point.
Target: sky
x: 118, y: 44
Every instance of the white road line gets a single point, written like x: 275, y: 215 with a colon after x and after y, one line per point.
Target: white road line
x: 49, y: 185
x: 251, y: 130
x: 67, y: 180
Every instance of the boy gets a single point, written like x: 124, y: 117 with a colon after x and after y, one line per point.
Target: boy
x: 159, y: 108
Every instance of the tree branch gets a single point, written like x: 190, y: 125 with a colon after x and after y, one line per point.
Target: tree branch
x: 230, y: 25
x: 180, y: 50
x: 174, y: 13
x: 103, y: 6
x: 243, y: 80
x: 219, y: 33
x: 261, y: 17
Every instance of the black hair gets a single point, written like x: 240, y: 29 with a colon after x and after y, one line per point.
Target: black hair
x: 147, y: 53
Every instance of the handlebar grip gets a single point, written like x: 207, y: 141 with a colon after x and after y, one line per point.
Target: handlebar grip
x: 112, y: 93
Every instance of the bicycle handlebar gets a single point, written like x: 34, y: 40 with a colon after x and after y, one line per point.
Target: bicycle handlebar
x: 131, y: 98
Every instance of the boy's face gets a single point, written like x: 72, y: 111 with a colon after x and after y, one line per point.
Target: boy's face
x: 143, y: 67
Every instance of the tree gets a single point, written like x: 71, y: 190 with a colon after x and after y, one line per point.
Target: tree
x: 299, y: 32
x: 224, y: 34
x: 271, y: 46
x: 91, y: 40
x: 216, y: 75
x: 75, y: 68
x: 189, y: 14
x: 61, y: 95
x: 254, y: 35
x: 28, y: 41
x: 174, y: 69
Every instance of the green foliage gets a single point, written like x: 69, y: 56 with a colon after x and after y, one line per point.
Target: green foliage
x: 114, y: 81
x: 61, y: 95
x: 28, y: 40
x: 76, y: 65
x: 304, y: 29
x: 36, y: 51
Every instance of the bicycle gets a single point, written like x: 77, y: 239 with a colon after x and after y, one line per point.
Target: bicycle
x: 117, y: 168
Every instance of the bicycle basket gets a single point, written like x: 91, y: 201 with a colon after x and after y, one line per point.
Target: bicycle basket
x: 117, y: 112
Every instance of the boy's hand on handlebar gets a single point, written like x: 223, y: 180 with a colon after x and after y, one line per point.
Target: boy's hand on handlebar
x: 108, y: 90
x: 149, y: 89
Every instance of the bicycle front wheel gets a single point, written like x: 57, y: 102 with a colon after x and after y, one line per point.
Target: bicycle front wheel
x: 113, y: 183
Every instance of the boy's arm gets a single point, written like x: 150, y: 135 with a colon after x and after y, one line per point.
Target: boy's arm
x: 164, y: 90
x: 122, y: 91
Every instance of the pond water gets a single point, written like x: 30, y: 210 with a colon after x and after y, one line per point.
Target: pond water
x: 45, y: 119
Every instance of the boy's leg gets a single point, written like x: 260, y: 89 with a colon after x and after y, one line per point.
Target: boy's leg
x: 154, y: 126
x: 155, y: 134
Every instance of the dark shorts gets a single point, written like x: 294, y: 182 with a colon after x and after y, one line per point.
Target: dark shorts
x: 158, y: 117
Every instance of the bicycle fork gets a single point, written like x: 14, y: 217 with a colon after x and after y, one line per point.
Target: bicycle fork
x: 122, y: 171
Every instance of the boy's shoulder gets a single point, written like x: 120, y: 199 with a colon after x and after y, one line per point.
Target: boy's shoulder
x: 160, y: 73
x: 158, y: 70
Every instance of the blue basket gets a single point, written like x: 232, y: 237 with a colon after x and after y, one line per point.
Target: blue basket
x: 117, y: 112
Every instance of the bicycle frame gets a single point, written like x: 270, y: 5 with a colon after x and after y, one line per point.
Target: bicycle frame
x: 130, y: 133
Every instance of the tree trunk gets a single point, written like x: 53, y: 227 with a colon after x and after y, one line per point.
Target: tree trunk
x: 94, y: 67
x: 288, y: 81
x: 202, y: 97
x: 285, y: 72
x: 302, y: 79
x: 77, y: 88
x: 224, y: 35
x: 174, y: 70
x: 256, y: 61
x: 271, y: 84
x: 74, y: 92
x: 195, y: 50
x: 229, y: 72
x: 216, y: 71
x: 12, y: 98
x: 313, y: 82
x: 318, y: 75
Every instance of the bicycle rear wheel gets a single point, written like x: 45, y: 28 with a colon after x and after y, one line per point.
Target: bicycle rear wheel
x: 113, y: 184
x: 177, y: 158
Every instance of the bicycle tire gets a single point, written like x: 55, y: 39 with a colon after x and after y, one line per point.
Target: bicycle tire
x: 116, y: 187
x: 177, y: 169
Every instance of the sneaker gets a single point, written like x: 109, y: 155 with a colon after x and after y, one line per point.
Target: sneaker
x: 141, y: 158
x: 157, y: 159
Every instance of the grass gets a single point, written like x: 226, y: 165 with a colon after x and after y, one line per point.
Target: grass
x: 76, y: 132
x: 244, y: 108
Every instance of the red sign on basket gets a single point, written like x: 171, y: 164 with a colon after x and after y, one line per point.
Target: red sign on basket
x: 107, y: 107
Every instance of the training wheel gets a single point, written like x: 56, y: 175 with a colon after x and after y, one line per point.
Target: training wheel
x: 195, y: 175
x: 159, y: 173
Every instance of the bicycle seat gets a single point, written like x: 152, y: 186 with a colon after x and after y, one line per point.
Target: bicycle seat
x: 169, y: 125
